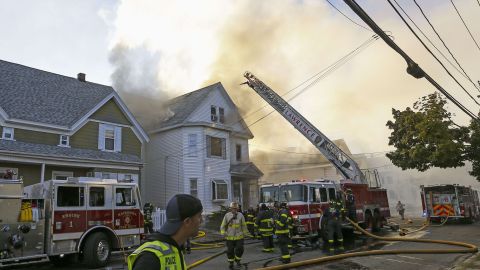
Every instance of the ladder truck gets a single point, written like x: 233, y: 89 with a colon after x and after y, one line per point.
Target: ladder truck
x: 371, y: 203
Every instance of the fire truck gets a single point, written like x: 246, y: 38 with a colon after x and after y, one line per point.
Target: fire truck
x: 454, y: 202
x: 311, y: 198
x: 60, y: 220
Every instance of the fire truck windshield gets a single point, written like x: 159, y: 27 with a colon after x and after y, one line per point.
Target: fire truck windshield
x: 269, y: 194
x: 293, y: 193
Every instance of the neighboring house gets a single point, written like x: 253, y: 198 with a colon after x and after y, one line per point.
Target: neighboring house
x: 54, y: 127
x: 202, y: 149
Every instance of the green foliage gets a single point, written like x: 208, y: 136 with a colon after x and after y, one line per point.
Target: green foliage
x: 473, y: 152
x: 426, y: 136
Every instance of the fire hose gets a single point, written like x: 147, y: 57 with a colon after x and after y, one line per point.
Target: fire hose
x: 468, y: 248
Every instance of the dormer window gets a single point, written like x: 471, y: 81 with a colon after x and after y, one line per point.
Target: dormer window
x: 213, y: 114
x: 7, y: 133
x: 64, y: 140
x: 217, y: 114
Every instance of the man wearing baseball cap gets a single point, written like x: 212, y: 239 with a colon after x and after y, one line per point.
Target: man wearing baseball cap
x: 162, y: 251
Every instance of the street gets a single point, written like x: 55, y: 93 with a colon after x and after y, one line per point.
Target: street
x: 253, y: 258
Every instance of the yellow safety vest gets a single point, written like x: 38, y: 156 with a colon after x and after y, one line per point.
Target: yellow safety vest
x: 168, y: 255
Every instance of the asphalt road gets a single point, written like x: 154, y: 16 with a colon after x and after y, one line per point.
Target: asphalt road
x: 253, y: 258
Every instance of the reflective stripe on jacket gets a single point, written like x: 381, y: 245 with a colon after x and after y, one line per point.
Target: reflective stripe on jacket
x: 233, y: 228
x: 281, y: 224
x: 265, y: 221
x: 168, y: 255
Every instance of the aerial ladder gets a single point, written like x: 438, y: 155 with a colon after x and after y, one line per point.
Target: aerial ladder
x: 342, y: 162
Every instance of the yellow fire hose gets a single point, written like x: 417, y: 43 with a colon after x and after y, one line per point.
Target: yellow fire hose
x: 469, y: 248
x: 205, y: 245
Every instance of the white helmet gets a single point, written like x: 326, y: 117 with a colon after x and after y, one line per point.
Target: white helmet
x: 234, y: 205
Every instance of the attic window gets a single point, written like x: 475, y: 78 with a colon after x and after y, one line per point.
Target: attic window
x: 7, y: 133
x: 64, y: 140
x: 221, y: 113
x: 213, y: 114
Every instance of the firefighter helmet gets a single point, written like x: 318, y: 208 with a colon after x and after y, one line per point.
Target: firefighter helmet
x: 234, y: 205
x: 283, y: 205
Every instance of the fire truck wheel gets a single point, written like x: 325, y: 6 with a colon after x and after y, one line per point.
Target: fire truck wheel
x: 96, y: 251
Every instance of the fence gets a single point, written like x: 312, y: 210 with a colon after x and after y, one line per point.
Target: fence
x: 159, y: 217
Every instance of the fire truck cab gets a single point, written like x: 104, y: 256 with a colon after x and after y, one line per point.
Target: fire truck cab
x: 58, y: 219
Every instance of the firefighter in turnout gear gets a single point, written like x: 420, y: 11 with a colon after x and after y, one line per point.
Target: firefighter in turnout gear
x: 282, y: 231
x: 334, y: 216
x: 163, y: 249
x: 265, y: 227
x: 350, y: 205
x: 290, y: 226
x: 250, y: 221
x: 148, y: 209
x: 235, y: 229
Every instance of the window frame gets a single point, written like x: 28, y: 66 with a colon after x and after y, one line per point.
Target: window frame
x: 193, y: 190
x: 81, y: 195
x: 221, y: 115
x: 117, y: 137
x: 213, y: 113
x: 238, y: 152
x: 223, y: 147
x: 12, y: 133
x: 67, y: 144
x: 192, y: 144
x: 90, y: 196
x: 215, y: 184
x: 133, y: 198
x: 105, y: 138
x: 65, y: 174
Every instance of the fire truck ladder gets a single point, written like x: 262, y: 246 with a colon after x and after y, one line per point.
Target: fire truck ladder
x: 345, y: 164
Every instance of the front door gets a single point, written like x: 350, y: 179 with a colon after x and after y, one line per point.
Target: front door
x: 237, y: 192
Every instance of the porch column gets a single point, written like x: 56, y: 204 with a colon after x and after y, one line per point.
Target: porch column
x: 42, y: 173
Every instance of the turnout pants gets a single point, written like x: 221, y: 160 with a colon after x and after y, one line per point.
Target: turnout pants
x: 148, y: 228
x: 283, y: 240
x: 267, y: 242
x: 334, y: 227
x: 234, y: 250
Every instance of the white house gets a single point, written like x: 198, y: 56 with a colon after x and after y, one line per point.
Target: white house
x: 202, y: 149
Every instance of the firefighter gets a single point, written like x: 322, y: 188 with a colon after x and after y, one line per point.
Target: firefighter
x: 290, y: 226
x: 234, y: 228
x: 350, y: 205
x: 162, y: 251
x: 282, y: 231
x: 334, y: 222
x: 148, y: 209
x: 250, y: 221
x: 265, y: 227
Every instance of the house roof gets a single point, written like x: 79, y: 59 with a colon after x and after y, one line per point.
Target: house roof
x: 246, y: 170
x: 183, y: 106
x: 10, y: 146
x: 39, y: 96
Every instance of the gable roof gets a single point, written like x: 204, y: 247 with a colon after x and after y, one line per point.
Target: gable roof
x: 183, y: 106
x: 37, y: 97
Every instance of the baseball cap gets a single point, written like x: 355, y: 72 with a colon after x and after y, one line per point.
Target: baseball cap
x: 180, y: 207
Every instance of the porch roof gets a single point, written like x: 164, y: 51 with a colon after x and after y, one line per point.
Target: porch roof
x: 245, y: 170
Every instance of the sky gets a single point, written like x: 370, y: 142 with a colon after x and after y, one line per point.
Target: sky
x: 153, y: 50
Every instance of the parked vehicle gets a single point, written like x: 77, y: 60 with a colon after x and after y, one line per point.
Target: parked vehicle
x: 454, y: 202
x: 59, y: 219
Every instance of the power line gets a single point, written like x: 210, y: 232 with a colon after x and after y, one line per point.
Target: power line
x: 413, y: 68
x: 368, y: 29
x: 458, y: 12
x: 463, y: 72
x: 438, y: 60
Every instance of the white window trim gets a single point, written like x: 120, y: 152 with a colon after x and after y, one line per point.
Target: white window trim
x: 219, y: 182
x: 190, y: 184
x: 192, y: 148
x: 68, y: 141
x: 12, y: 132
x: 61, y: 173
x: 117, y: 137
x: 213, y: 117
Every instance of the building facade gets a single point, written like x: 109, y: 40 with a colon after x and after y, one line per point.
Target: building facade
x: 202, y: 149
x: 54, y: 127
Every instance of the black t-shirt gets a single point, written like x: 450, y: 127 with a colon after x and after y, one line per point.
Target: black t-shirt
x: 148, y: 260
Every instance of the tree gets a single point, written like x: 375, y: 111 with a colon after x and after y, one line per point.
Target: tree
x: 426, y: 137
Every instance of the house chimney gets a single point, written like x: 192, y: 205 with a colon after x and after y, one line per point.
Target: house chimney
x: 81, y: 77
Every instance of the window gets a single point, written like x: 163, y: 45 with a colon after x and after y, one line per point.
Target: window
x: 110, y: 138
x: 221, y: 113
x: 331, y: 194
x: 293, y: 193
x: 193, y: 187
x: 106, y: 176
x: 268, y: 194
x: 192, y: 145
x: 7, y: 133
x: 213, y: 114
x: 70, y: 196
x: 313, y: 195
x: 238, y: 152
x: 323, y: 195
x: 8, y: 173
x: 124, y: 197
x: 97, y: 196
x: 219, y: 190
x: 64, y: 140
x: 128, y: 177
x: 60, y: 175
x: 216, y: 147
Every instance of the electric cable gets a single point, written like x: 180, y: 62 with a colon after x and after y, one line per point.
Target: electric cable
x: 413, y: 68
x: 462, y: 72
x: 463, y: 21
x: 344, y: 15
x: 436, y: 58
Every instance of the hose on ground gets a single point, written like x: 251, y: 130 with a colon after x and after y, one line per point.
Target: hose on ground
x: 199, y: 262
x: 468, y: 248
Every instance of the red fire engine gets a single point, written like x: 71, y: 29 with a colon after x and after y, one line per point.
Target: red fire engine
x: 371, y: 203
x: 453, y: 201
x: 58, y: 219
